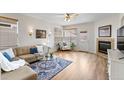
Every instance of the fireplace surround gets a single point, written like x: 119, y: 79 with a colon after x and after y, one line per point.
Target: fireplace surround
x: 102, y: 44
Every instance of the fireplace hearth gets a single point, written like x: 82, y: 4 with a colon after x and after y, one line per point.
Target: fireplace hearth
x: 103, y: 46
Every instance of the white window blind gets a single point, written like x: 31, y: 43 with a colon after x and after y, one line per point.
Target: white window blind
x: 8, y: 35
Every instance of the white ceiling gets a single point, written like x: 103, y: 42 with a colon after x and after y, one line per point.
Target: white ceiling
x: 57, y: 18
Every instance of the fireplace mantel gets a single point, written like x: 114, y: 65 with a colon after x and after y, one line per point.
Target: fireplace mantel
x: 109, y: 39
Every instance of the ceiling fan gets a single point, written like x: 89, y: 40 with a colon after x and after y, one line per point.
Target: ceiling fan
x: 69, y: 16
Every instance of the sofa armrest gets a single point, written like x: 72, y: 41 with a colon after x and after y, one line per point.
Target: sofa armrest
x: 23, y: 73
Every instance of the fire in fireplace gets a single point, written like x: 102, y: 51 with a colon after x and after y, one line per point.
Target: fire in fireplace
x: 103, y: 46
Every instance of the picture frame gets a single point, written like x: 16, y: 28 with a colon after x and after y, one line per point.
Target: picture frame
x: 40, y: 34
x: 105, y: 31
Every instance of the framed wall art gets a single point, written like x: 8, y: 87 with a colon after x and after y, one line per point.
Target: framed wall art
x: 104, y: 31
x: 40, y: 34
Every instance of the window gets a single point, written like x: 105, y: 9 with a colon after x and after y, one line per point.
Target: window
x: 8, y: 33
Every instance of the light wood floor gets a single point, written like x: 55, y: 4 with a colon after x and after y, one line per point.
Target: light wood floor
x: 85, y: 66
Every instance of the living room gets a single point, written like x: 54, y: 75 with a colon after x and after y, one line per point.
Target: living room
x: 75, y: 41
x: 64, y: 46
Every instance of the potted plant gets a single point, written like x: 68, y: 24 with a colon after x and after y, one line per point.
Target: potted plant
x: 72, y: 46
x: 58, y: 47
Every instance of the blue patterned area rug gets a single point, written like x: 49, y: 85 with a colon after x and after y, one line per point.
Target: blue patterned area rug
x: 48, y: 69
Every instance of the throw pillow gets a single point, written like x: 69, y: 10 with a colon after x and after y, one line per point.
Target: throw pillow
x: 40, y: 49
x: 6, y: 55
x: 33, y: 50
x: 10, y: 52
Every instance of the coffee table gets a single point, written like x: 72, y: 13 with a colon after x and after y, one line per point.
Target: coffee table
x: 47, y: 63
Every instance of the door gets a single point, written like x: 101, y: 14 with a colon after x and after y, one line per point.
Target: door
x: 83, y: 41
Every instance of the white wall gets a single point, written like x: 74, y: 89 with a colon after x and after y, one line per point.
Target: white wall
x: 27, y: 24
x: 121, y: 18
x: 90, y: 43
x: 112, y: 20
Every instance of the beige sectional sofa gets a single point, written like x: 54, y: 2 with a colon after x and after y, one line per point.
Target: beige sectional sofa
x: 24, y: 72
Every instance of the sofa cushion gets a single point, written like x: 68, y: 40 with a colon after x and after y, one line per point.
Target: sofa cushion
x: 40, y: 49
x: 22, y: 51
x: 28, y: 57
x: 33, y: 50
x: 23, y: 73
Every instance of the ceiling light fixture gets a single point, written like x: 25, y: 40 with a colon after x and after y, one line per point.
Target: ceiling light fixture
x: 67, y: 17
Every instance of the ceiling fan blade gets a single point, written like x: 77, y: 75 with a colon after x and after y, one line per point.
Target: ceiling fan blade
x: 61, y: 14
x: 73, y: 15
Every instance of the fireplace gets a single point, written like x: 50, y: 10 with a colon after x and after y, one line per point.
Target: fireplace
x: 103, y: 46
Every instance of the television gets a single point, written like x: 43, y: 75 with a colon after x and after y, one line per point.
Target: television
x: 120, y: 39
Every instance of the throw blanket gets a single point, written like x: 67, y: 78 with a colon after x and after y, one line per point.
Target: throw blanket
x: 9, y: 66
x: 12, y: 65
